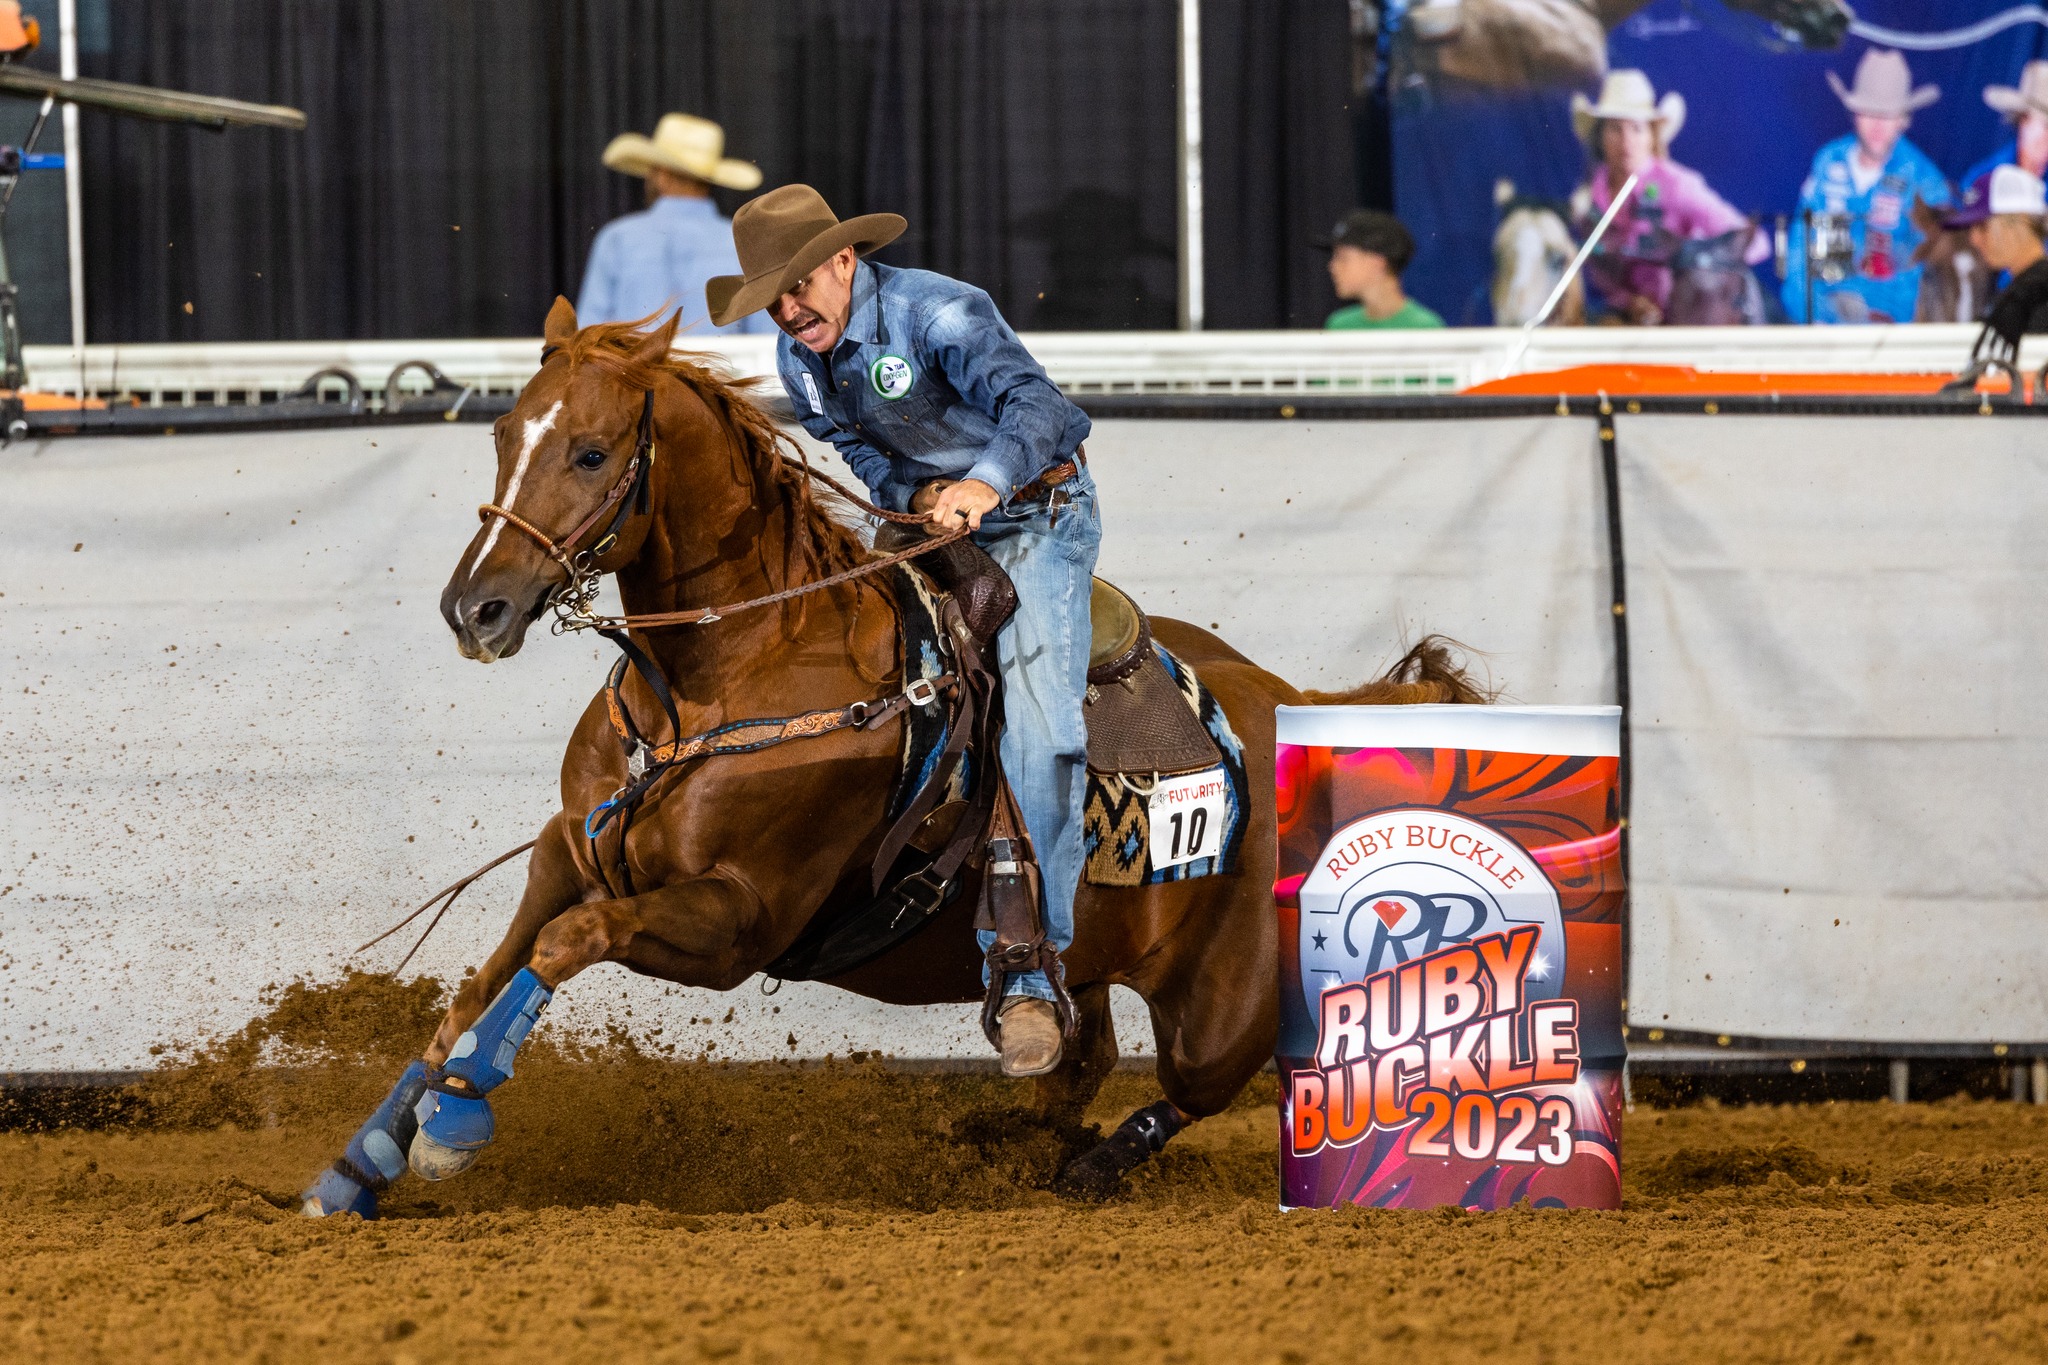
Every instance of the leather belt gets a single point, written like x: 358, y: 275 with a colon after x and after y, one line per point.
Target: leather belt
x: 1052, y: 477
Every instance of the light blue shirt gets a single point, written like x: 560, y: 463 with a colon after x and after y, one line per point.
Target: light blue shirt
x: 659, y: 258
x: 1884, y: 282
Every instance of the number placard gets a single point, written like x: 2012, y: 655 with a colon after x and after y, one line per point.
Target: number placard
x: 1187, y: 816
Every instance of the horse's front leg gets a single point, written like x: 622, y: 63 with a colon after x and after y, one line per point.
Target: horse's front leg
x: 689, y: 932
x: 376, y: 1155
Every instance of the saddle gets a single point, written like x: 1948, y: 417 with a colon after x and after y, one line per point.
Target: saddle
x: 1139, y: 725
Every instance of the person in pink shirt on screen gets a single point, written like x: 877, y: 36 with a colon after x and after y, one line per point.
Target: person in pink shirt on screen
x: 1628, y: 131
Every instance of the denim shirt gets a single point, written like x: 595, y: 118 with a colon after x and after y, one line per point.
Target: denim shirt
x: 660, y: 258
x: 929, y: 383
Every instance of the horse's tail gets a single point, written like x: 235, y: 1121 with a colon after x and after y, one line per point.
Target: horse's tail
x: 1430, y: 671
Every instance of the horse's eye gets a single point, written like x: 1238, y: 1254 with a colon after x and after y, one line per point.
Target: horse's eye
x: 590, y: 459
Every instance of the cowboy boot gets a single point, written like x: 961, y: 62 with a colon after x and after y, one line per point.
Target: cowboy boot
x: 1031, y: 1040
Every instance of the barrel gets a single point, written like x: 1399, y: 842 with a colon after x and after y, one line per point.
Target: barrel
x: 1449, y: 891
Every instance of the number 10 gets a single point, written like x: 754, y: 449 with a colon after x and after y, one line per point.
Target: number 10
x: 1197, y: 829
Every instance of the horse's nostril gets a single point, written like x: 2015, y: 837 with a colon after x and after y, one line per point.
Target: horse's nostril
x: 485, y: 615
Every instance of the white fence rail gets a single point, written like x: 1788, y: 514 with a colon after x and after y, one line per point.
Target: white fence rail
x: 1082, y: 362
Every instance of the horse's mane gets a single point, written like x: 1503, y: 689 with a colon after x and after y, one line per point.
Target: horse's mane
x: 817, y: 543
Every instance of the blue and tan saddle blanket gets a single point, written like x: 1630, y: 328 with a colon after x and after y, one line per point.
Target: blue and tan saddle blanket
x: 1166, y: 782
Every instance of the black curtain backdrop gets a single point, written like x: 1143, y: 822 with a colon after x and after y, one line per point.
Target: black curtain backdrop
x: 1277, y: 162
x: 449, y: 183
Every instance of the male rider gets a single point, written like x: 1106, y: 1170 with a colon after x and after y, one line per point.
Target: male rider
x: 939, y: 409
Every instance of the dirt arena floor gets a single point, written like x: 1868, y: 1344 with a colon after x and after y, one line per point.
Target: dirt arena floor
x: 638, y: 1208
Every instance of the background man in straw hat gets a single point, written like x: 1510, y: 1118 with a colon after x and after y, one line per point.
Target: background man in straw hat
x: 936, y: 405
x: 2026, y: 108
x: 659, y: 259
x: 1863, y: 184
x: 1629, y: 133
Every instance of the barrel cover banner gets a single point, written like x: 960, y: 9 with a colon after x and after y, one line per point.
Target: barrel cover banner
x: 1449, y: 897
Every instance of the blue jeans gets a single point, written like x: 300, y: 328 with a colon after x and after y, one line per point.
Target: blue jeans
x: 1049, y: 553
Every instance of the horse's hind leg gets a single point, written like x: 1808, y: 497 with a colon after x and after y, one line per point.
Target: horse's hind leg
x: 376, y: 1154
x: 1065, y: 1093
x: 1213, y: 1036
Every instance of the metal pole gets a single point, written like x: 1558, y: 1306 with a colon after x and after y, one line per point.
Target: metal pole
x: 1806, y: 250
x: 74, y: 211
x: 1617, y: 578
x: 1191, y: 300
x: 1628, y: 187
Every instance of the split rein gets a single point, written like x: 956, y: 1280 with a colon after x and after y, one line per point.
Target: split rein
x: 574, y: 604
x: 575, y: 601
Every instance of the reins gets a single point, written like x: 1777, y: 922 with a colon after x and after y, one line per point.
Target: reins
x: 647, y: 763
x: 573, y: 602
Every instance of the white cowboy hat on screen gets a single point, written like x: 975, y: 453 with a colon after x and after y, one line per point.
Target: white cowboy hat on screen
x: 2030, y: 96
x: 1884, y: 87
x: 1628, y: 95
x: 682, y: 142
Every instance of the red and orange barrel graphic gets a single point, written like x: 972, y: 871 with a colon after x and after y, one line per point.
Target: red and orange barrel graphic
x: 1449, y: 897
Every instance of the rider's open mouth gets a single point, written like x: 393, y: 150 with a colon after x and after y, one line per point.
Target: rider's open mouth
x: 805, y: 328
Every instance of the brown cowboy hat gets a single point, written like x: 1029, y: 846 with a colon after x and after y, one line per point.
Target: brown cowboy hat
x: 783, y: 236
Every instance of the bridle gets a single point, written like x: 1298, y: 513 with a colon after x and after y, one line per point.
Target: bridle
x: 575, y: 601
x: 628, y: 495
x: 966, y: 690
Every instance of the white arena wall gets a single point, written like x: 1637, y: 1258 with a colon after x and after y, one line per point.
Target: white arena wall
x: 236, y: 740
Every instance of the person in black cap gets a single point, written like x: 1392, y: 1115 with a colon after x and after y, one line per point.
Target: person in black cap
x: 1368, y: 252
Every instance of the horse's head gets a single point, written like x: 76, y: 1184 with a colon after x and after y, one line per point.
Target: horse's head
x: 1938, y: 245
x: 1531, y: 249
x: 572, y: 481
x: 1711, y: 284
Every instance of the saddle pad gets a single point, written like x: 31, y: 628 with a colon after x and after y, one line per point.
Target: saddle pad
x: 1118, y: 812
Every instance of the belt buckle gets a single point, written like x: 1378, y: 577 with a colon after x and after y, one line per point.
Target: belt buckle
x: 923, y: 692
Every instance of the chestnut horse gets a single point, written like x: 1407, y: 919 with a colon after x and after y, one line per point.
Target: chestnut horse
x: 736, y: 854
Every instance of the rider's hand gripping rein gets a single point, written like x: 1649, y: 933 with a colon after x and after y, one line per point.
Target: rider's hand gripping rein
x: 374, y: 1157
x: 454, y: 1118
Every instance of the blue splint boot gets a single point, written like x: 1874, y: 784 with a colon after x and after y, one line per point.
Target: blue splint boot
x: 374, y: 1157
x: 455, y: 1121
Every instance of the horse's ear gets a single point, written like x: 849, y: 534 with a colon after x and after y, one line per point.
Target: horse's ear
x: 561, y: 327
x: 654, y: 350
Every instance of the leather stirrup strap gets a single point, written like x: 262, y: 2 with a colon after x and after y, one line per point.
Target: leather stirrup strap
x: 1011, y: 890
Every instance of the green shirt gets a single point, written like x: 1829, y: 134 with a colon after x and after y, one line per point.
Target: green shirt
x: 1352, y: 318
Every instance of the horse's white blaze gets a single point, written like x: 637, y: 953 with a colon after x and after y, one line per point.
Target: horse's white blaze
x: 536, y: 428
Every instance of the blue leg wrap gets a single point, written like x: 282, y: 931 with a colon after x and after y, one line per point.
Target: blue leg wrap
x: 374, y: 1157
x: 456, y: 1116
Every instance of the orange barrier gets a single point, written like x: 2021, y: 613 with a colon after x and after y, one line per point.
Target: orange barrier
x: 33, y: 401
x: 1683, y: 381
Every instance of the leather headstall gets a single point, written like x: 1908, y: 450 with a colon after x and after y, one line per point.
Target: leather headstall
x: 629, y: 495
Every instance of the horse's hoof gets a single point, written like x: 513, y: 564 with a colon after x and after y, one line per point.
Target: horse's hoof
x: 454, y: 1127
x: 432, y: 1161
x: 335, y: 1193
x: 1093, y: 1178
